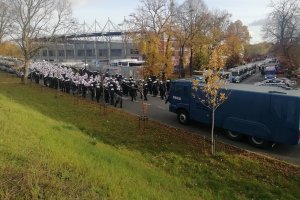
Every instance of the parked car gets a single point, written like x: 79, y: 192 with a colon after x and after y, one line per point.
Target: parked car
x: 296, y: 73
x: 277, y: 82
x: 2, y: 68
x: 280, y: 70
x: 288, y: 82
x: 271, y: 82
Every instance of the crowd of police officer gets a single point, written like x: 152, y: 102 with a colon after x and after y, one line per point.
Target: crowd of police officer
x: 86, y: 83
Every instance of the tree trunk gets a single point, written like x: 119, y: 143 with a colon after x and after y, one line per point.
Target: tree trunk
x: 26, y: 71
x: 166, y: 70
x: 212, y: 133
x: 191, y: 62
x: 181, y: 69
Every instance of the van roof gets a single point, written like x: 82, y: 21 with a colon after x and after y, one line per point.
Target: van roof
x: 253, y: 88
x: 264, y: 89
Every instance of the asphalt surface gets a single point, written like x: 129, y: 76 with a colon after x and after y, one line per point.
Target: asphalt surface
x: 158, y: 111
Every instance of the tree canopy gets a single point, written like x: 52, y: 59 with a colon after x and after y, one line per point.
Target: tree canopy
x: 237, y: 37
x: 283, y: 29
x: 10, y: 49
x: 188, y: 31
x: 33, y: 19
x: 5, y: 19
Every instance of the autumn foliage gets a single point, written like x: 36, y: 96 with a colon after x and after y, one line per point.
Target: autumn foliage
x: 10, y: 49
x: 212, y: 91
x: 149, y: 45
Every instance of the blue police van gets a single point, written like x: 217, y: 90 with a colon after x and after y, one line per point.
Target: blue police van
x: 270, y: 72
x: 266, y: 115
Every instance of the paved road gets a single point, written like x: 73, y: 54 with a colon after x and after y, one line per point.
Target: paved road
x: 158, y: 110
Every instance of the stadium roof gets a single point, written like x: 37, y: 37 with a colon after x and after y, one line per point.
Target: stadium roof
x: 99, y: 34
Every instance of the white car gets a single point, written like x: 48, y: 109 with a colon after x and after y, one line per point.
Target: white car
x: 288, y: 82
x: 278, y: 82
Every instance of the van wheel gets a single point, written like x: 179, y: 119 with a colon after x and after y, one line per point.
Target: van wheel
x: 233, y: 135
x: 183, y: 117
x: 258, y: 142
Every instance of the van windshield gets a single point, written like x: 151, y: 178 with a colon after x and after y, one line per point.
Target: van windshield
x: 114, y: 64
x: 270, y: 72
x: 135, y: 64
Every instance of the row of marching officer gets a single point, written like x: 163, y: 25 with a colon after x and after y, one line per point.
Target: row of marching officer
x: 78, y: 82
x: 152, y: 86
x: 91, y: 84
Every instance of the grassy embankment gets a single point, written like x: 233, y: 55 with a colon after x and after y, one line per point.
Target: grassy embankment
x: 52, y: 147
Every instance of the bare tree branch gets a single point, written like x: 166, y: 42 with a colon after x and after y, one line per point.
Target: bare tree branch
x: 5, y: 19
x: 34, y: 19
x: 283, y: 27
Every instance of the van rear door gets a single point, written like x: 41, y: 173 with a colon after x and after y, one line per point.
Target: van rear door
x: 285, y: 119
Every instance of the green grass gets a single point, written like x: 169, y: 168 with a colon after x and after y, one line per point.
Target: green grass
x: 55, y: 147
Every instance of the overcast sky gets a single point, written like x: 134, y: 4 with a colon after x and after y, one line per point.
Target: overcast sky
x: 248, y: 11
